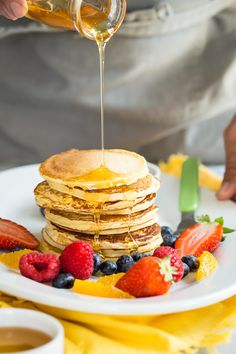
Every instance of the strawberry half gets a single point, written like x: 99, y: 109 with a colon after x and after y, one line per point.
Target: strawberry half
x: 203, y: 236
x: 13, y: 235
x: 148, y: 277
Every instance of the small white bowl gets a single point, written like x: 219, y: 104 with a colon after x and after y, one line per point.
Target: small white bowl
x: 37, y: 321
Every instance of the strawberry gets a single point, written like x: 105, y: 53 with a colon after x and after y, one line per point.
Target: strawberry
x: 164, y: 251
x: 13, y: 235
x: 203, y: 236
x: 148, y: 277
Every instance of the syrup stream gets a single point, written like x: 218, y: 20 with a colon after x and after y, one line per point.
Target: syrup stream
x: 101, y: 48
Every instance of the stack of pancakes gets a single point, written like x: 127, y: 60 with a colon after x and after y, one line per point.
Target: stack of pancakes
x: 110, y: 206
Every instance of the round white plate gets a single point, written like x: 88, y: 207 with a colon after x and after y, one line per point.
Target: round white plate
x: 17, y: 204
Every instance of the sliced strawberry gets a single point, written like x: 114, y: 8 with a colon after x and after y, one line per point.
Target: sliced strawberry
x: 199, y: 238
x: 13, y: 235
x: 150, y: 276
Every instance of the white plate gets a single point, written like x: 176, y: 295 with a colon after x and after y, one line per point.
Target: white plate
x: 17, y: 203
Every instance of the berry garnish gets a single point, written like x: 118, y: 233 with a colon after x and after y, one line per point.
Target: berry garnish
x: 108, y: 267
x: 168, y: 236
x: 77, y: 259
x: 124, y: 263
x: 19, y: 248
x: 39, y: 267
x: 137, y: 256
x: 97, y: 261
x: 186, y: 270
x: 150, y: 276
x: 42, y: 211
x: 63, y: 281
x: 15, y: 249
x: 203, y: 236
x: 192, y: 262
x: 164, y: 251
x: 13, y: 235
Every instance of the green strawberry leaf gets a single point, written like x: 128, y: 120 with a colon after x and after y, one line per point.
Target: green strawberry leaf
x: 223, y: 239
x: 227, y: 230
x: 204, y: 218
x: 220, y: 220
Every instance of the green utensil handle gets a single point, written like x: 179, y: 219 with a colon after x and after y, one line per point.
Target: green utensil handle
x: 189, y: 186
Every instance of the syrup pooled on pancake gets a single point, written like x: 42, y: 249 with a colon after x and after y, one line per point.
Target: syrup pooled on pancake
x: 111, y: 206
x: 83, y: 168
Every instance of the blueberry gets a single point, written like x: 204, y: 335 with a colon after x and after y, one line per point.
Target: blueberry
x: 192, y: 262
x: 63, y: 281
x: 137, y: 256
x: 15, y: 249
x: 125, y: 267
x: 108, y: 267
x: 186, y: 269
x: 97, y: 261
x: 166, y: 229
x: 42, y: 212
x: 124, y: 263
x: 169, y: 237
x: 19, y: 248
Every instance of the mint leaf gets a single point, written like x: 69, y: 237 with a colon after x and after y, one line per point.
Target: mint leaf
x: 220, y: 221
x: 227, y: 230
x: 204, y: 218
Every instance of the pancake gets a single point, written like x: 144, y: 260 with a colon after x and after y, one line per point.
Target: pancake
x: 112, y: 246
x: 109, y: 203
x: 45, y: 247
x: 102, y: 223
x: 49, y: 198
x: 141, y: 188
x: 82, y: 168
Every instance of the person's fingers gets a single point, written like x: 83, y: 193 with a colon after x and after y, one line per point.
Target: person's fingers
x: 13, y: 9
x: 6, y: 13
x: 228, y: 187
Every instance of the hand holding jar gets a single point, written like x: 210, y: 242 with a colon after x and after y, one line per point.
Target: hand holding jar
x: 13, y: 9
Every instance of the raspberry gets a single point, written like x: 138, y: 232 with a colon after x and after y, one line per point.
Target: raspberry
x: 39, y: 267
x: 164, y: 251
x: 77, y: 259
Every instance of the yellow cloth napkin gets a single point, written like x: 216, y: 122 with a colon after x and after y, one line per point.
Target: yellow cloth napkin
x: 100, y: 334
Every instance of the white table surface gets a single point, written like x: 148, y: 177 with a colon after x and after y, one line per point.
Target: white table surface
x: 222, y: 349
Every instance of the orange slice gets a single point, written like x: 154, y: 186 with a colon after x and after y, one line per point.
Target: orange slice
x: 173, y: 166
x: 12, y: 259
x: 110, y: 280
x: 96, y: 288
x: 208, y: 264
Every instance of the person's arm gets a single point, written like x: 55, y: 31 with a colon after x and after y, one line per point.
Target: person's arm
x: 228, y: 188
x: 13, y: 9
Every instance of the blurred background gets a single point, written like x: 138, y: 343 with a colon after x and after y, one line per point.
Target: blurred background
x: 170, y: 84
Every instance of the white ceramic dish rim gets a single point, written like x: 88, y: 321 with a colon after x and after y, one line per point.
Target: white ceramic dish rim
x: 16, y: 285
